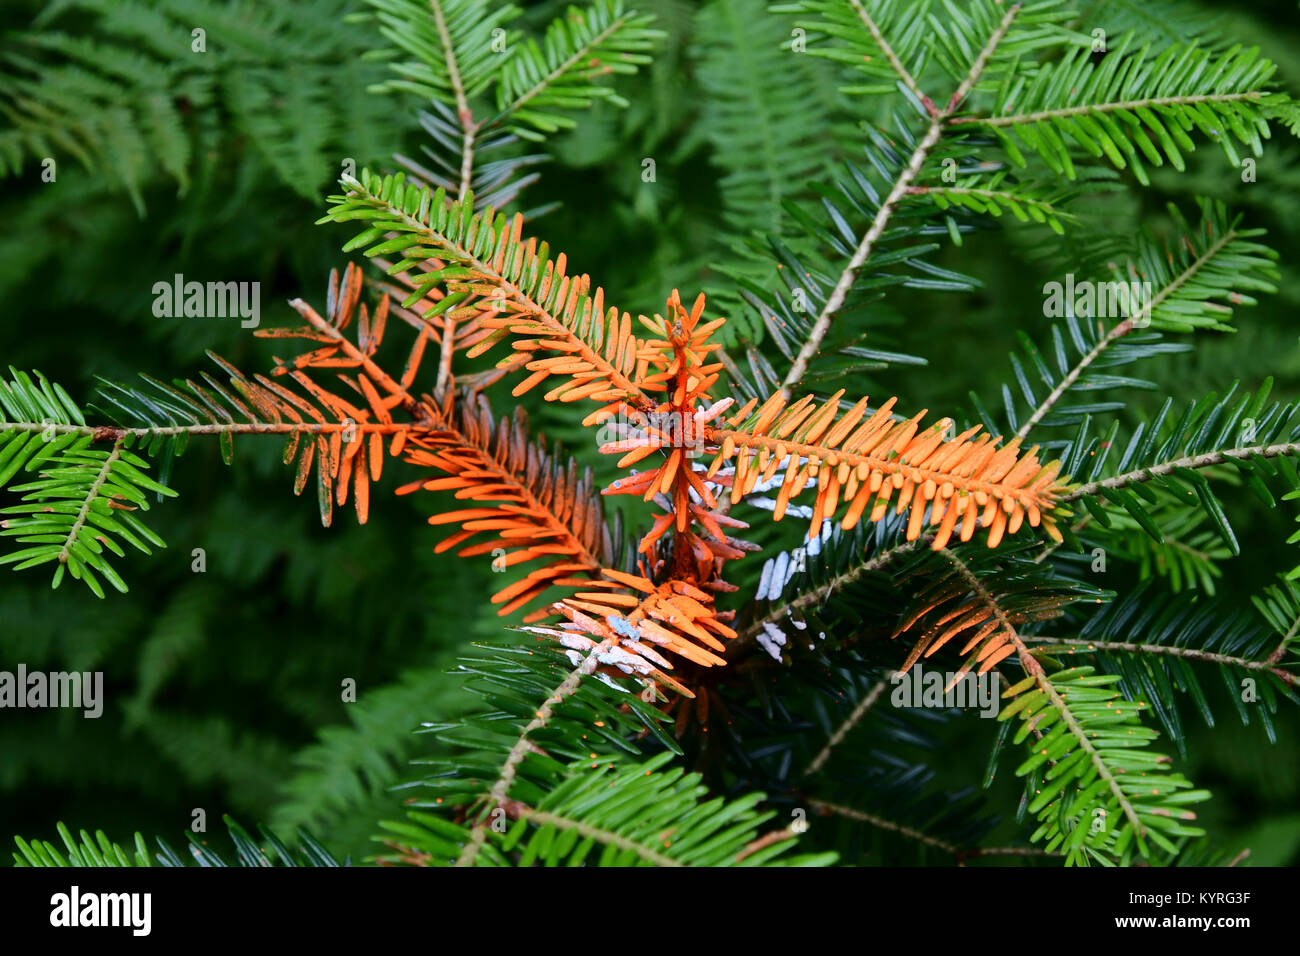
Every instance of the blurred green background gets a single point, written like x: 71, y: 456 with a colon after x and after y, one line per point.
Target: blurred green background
x: 224, y: 687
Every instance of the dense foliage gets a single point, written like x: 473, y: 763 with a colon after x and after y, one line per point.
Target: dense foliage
x: 875, y: 197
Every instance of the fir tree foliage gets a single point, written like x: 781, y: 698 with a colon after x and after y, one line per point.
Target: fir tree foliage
x: 693, y: 691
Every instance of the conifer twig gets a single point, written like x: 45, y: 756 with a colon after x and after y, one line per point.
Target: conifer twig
x: 886, y: 211
x: 91, y: 494
x: 1044, y: 683
x: 962, y: 853
x: 510, y: 768
x: 1206, y: 460
x: 1167, y: 650
x: 1153, y: 102
x: 114, y: 433
x: 895, y: 63
x: 578, y: 55
x: 1122, y: 329
x: 519, y: 811
x: 868, y: 701
x: 468, y: 127
x: 819, y: 594
x: 1066, y: 383
x: 469, y: 130
x: 766, y: 840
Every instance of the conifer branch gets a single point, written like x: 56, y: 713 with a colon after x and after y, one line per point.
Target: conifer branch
x: 1153, y: 102
x: 531, y: 505
x: 115, y: 433
x: 874, y: 462
x: 447, y: 351
x: 469, y: 130
x: 767, y: 839
x: 463, y: 112
x: 818, y: 595
x: 1066, y: 383
x: 1133, y: 106
x: 885, y: 213
x: 911, y: 833
x: 1279, y: 652
x: 518, y: 811
x: 1123, y: 328
x: 961, y: 853
x: 1045, y: 685
x: 579, y: 54
x: 1169, y: 650
x: 1192, y: 462
x: 855, y: 717
x: 840, y: 292
x: 1004, y: 196
x: 874, y: 29
x: 548, y: 310
x: 363, y: 359
x: 500, y: 789
x: 91, y: 494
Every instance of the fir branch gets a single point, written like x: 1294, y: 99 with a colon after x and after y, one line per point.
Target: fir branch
x: 850, y: 813
x: 769, y: 839
x: 1190, y: 462
x: 518, y: 811
x: 855, y: 717
x: 990, y: 199
x: 468, y: 126
x: 500, y: 789
x: 116, y: 433
x: 1188, y: 653
x: 1045, y: 685
x: 1121, y: 105
x: 961, y: 853
x: 91, y: 494
x: 531, y: 504
x: 84, y: 500
x: 536, y: 84
x: 895, y: 63
x: 885, y: 213
x: 363, y: 359
x: 816, y: 596
x: 1121, y: 329
x: 519, y: 98
x: 860, y: 461
x: 99, y: 851
x: 488, y: 256
x: 1066, y: 383
x: 840, y: 292
x: 1132, y: 105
